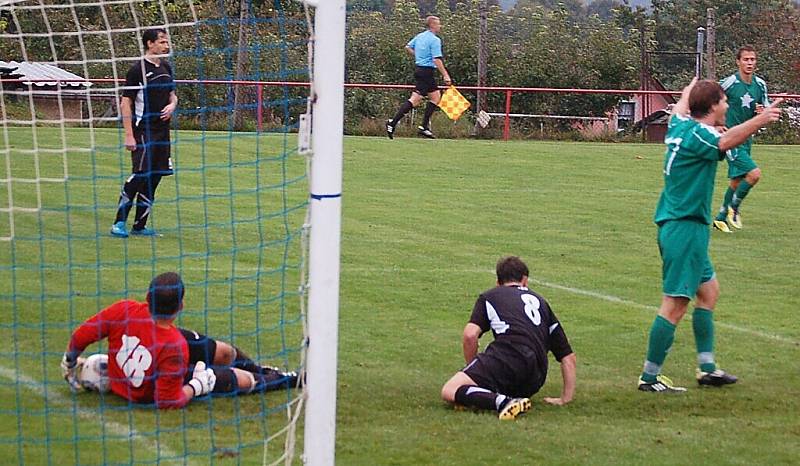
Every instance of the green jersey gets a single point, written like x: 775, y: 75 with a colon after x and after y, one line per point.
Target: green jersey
x: 690, y: 165
x: 742, y: 98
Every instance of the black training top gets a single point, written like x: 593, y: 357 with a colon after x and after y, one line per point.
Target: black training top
x: 149, y: 91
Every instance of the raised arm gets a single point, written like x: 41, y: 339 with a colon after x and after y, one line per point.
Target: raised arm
x: 739, y: 133
x: 569, y: 374
x: 682, y: 107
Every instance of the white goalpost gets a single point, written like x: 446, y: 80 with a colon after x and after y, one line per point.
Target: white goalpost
x: 326, y: 203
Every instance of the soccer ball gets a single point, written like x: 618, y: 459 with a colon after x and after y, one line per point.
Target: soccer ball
x: 94, y: 373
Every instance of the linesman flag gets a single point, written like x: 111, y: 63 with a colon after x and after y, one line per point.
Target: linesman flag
x: 453, y: 104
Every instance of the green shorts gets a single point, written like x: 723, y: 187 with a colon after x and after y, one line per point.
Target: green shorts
x: 739, y: 161
x: 683, y: 245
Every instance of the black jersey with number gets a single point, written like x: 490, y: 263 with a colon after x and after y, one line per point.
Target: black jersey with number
x: 149, y: 90
x: 524, y: 328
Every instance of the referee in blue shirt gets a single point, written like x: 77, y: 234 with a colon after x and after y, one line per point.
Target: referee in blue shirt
x: 426, y: 47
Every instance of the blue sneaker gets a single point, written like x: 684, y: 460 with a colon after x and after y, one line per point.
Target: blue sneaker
x: 143, y: 232
x: 118, y: 230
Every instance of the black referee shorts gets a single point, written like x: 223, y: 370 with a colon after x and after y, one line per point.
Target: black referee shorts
x: 503, y: 375
x: 152, y: 154
x: 424, y: 82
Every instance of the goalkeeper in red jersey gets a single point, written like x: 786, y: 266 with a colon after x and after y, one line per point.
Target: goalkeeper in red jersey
x: 150, y: 360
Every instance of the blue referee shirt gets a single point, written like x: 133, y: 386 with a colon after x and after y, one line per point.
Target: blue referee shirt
x: 426, y: 47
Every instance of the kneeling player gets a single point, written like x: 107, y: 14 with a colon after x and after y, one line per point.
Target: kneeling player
x: 514, y: 365
x: 149, y: 359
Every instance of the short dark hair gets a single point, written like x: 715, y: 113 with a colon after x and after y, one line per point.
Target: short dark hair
x: 744, y: 48
x: 511, y: 269
x: 165, y: 295
x: 151, y: 35
x: 705, y: 94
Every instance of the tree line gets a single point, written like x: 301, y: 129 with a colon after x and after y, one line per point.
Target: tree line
x: 531, y: 43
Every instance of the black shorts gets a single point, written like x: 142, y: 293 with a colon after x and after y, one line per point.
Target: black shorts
x: 503, y: 375
x: 152, y: 154
x: 424, y: 82
x: 201, y: 347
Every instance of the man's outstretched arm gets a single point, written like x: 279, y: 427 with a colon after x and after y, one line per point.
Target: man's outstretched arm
x: 569, y: 374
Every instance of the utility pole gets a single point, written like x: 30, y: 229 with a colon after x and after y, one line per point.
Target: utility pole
x: 483, y: 58
x: 711, y: 45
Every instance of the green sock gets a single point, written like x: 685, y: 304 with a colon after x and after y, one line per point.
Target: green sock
x: 726, y: 201
x: 662, y: 334
x: 740, y: 194
x: 703, y: 325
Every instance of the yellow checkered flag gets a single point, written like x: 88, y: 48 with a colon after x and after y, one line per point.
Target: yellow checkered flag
x: 453, y: 104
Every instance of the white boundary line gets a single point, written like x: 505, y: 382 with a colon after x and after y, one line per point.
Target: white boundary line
x: 52, y: 396
x: 625, y: 302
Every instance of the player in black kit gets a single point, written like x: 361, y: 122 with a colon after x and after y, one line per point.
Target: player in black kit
x: 514, y: 366
x: 148, y: 103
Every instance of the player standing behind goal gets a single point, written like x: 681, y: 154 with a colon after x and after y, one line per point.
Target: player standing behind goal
x: 426, y: 47
x: 146, y: 109
x: 514, y: 365
x: 747, y: 96
x: 683, y: 215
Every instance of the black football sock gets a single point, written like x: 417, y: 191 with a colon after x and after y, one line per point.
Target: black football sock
x: 126, y: 198
x: 405, y: 108
x: 243, y: 362
x: 429, y: 109
x: 273, y: 379
x: 145, y: 204
x: 481, y: 398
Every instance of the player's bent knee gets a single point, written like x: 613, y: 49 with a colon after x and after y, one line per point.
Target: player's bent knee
x: 224, y: 354
x: 707, y: 294
x: 753, y: 176
x: 449, y: 393
x: 245, y: 381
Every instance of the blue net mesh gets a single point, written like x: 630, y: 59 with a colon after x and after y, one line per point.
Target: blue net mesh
x: 230, y: 220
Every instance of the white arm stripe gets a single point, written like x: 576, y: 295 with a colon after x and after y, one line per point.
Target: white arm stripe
x: 729, y: 81
x: 553, y: 327
x: 704, y: 141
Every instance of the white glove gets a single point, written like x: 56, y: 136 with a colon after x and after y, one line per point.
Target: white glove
x: 70, y: 368
x: 203, y: 379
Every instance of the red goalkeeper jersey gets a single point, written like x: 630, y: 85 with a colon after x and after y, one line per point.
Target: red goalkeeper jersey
x: 146, y: 363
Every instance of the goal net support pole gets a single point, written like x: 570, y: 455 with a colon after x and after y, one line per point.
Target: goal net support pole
x: 324, y: 240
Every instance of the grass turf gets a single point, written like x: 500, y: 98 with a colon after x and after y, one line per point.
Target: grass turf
x: 423, y: 223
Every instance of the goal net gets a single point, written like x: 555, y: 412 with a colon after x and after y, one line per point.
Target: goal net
x: 232, y: 220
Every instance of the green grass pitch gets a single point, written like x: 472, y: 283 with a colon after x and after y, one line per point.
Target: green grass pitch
x: 423, y: 223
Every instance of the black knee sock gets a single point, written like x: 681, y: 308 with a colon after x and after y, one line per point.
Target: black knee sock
x: 226, y: 380
x: 243, y: 361
x: 429, y: 109
x: 405, y: 108
x: 481, y: 398
x: 272, y: 379
x: 130, y: 189
x: 145, y: 204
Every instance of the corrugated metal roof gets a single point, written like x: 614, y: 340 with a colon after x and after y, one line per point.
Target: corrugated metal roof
x: 42, y: 74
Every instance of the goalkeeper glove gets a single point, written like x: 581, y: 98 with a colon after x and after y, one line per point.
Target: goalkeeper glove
x: 203, y: 379
x: 70, y: 368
